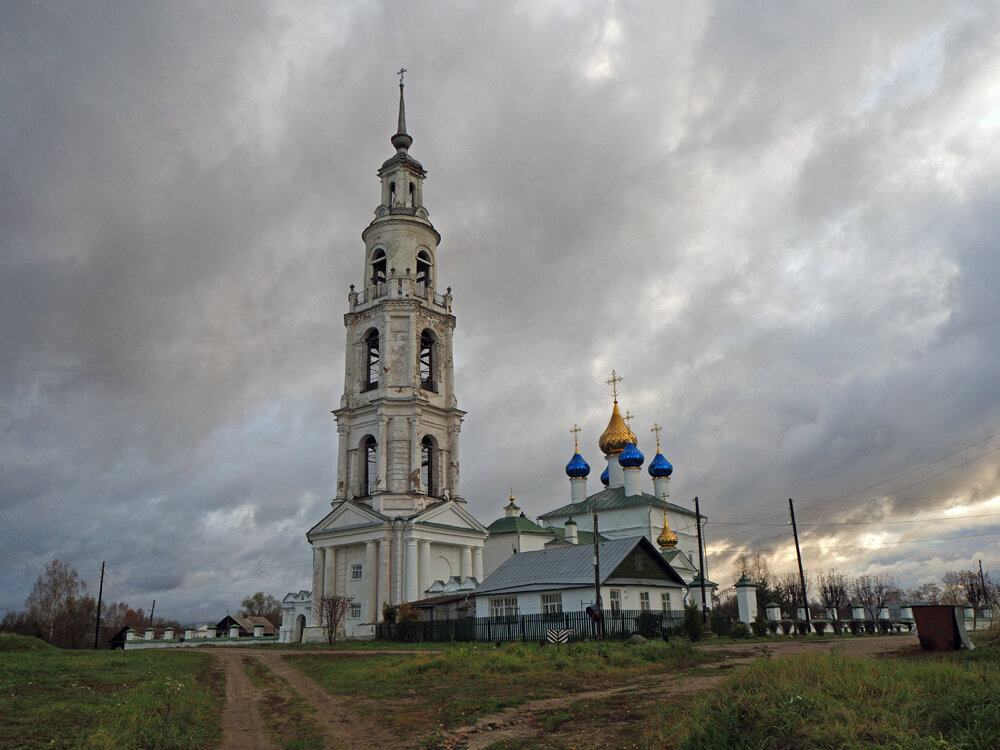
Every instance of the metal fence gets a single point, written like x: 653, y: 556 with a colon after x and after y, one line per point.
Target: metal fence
x: 617, y: 624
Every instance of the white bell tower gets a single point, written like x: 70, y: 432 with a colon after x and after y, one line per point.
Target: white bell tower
x: 398, y: 421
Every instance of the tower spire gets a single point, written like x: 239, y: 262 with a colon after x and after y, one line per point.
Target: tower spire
x: 401, y: 140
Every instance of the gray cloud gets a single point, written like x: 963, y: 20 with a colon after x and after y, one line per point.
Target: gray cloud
x: 778, y: 224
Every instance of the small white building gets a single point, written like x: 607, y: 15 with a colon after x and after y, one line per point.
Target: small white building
x: 633, y: 576
x: 295, y: 611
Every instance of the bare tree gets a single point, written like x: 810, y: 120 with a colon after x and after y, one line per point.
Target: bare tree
x: 53, y: 596
x: 951, y: 590
x: 975, y: 590
x: 789, y: 590
x: 925, y: 592
x: 262, y: 605
x: 833, y: 590
x: 753, y: 567
x: 332, y: 611
x: 874, y: 592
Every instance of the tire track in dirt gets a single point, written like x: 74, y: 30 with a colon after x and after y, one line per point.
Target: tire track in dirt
x: 242, y: 728
x: 522, y: 722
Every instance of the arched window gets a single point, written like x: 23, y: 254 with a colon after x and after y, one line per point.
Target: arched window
x: 373, y: 361
x: 413, y: 195
x: 426, y: 361
x: 369, y: 464
x: 392, y: 194
x: 423, y: 269
x: 378, y: 267
x: 427, y: 478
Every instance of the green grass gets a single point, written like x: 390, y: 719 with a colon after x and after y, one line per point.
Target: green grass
x: 108, y: 699
x: 443, y: 690
x: 827, y: 701
x: 290, y: 720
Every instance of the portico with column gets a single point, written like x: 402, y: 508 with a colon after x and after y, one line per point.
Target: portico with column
x: 398, y: 521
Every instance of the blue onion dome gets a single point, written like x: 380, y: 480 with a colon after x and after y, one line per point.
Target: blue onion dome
x: 660, y: 467
x: 605, y: 478
x: 577, y: 467
x: 631, y: 456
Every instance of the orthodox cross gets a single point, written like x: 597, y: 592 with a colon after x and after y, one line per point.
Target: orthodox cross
x: 628, y: 417
x: 400, y: 74
x: 656, y: 428
x: 575, y: 431
x: 615, y: 380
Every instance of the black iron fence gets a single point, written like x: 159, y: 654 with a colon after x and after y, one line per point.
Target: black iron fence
x: 617, y: 624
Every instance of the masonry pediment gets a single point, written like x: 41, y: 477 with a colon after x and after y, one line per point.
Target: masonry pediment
x: 347, y: 515
x: 450, y: 514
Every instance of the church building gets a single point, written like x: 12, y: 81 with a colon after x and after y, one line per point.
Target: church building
x: 398, y: 522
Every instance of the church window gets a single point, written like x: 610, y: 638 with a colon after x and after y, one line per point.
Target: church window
x: 503, y: 605
x: 413, y: 194
x: 551, y: 604
x: 354, y: 613
x: 357, y: 572
x: 423, y: 270
x: 427, y: 478
x: 665, y: 600
x: 426, y: 360
x: 644, y: 601
x: 370, y: 465
x: 616, y: 600
x: 392, y: 193
x: 378, y: 268
x: 373, y: 361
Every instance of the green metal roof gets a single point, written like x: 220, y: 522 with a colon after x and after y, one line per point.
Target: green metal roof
x: 511, y: 524
x: 614, y: 498
x: 582, y: 537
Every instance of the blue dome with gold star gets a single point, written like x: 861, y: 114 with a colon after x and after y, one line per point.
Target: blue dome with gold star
x: 605, y: 478
x: 660, y: 467
x: 577, y: 467
x: 631, y: 456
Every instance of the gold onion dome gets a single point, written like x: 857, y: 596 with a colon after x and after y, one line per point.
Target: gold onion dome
x: 617, y: 435
x: 667, y: 538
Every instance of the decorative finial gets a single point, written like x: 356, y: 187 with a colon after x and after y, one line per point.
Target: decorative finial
x: 628, y: 417
x: 656, y: 428
x: 400, y: 74
x: 667, y: 538
x: 401, y: 141
x: 512, y: 494
x: 615, y: 380
x: 575, y: 431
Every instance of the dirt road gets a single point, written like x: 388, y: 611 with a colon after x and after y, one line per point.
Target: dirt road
x: 244, y: 727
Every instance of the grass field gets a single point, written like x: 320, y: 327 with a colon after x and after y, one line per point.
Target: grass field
x: 106, y: 699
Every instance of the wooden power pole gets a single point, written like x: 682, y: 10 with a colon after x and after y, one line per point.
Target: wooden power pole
x: 798, y: 555
x: 100, y: 594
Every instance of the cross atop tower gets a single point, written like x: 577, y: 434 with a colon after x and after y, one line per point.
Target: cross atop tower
x: 400, y: 74
x: 576, y: 432
x: 613, y: 382
x: 656, y: 428
x: 628, y: 417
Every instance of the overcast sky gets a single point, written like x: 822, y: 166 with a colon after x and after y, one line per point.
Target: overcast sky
x: 777, y: 222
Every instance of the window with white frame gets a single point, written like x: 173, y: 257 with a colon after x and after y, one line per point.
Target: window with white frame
x: 357, y: 571
x: 551, y: 604
x: 354, y: 613
x: 503, y: 605
x: 644, y: 601
x: 665, y: 597
x: 616, y: 600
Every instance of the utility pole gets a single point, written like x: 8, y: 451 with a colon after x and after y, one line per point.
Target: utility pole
x: 982, y: 582
x: 100, y: 594
x: 597, y: 579
x: 798, y: 554
x: 701, y: 562
x: 151, y: 611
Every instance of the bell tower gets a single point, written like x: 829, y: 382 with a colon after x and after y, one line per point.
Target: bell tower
x: 398, y: 423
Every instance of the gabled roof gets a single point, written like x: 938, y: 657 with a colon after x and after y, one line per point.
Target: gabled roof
x: 247, y: 623
x: 614, y: 498
x: 512, y: 524
x: 559, y: 537
x: 571, y: 566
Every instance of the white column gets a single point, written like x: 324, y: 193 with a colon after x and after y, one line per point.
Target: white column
x: 453, y: 461
x: 425, y: 566
x: 341, y: 461
x: 415, y: 455
x: 383, y: 453
x: 330, y: 572
x: 449, y: 369
x: 466, y: 561
x: 371, y: 603
x: 411, y: 570
x: 384, y: 558
x: 477, y: 563
x: 319, y: 564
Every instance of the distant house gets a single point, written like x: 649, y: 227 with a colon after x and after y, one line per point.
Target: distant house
x: 633, y: 576
x: 246, y: 625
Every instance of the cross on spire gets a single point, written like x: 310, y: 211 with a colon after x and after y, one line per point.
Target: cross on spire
x: 628, y: 417
x: 400, y: 74
x: 656, y: 428
x: 613, y: 382
x: 576, y: 432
